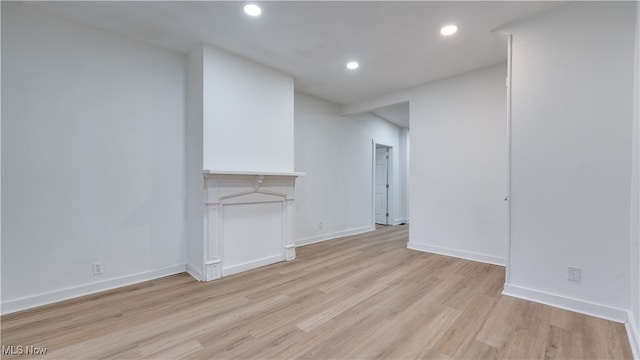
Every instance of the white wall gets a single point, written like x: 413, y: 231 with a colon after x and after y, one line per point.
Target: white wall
x: 634, y: 321
x: 458, y: 166
x: 93, y: 159
x: 335, y: 152
x: 247, y: 115
x: 571, y: 156
x: 0, y: 160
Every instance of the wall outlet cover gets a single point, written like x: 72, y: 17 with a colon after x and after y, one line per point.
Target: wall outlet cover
x: 97, y: 268
x: 574, y: 274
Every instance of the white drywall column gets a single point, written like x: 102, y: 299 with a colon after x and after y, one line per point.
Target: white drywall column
x: 239, y: 118
x: 571, y: 156
x: 405, y: 171
x: 633, y: 325
x: 247, y: 115
x: 195, y: 179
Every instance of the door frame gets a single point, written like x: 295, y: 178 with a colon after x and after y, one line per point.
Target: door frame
x: 390, y: 218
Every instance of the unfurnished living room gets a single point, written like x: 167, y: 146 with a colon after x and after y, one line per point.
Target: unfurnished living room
x: 320, y: 179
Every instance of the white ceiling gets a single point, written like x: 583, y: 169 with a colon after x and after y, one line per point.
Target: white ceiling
x: 397, y: 43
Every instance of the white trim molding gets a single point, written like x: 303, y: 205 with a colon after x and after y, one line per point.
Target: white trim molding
x: 563, y: 302
x: 633, y: 333
x: 46, y: 298
x: 238, y: 268
x: 484, y: 258
x: 195, y: 273
x: 334, y: 235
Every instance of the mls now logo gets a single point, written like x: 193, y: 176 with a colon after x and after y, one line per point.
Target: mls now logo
x: 23, y: 350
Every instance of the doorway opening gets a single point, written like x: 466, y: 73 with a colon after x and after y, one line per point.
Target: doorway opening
x: 382, y: 184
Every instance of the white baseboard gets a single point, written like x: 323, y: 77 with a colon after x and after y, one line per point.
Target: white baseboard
x: 329, y: 236
x: 400, y: 221
x: 29, y: 302
x: 575, y: 305
x: 633, y: 333
x: 489, y: 259
x: 195, y: 273
x: 234, y: 269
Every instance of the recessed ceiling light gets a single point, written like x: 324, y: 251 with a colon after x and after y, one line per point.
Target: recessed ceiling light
x: 352, y: 65
x: 252, y: 10
x: 449, y: 30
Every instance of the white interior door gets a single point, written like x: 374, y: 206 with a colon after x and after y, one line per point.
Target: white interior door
x: 382, y: 185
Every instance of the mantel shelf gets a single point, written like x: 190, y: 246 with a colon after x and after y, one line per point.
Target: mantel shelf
x: 264, y: 173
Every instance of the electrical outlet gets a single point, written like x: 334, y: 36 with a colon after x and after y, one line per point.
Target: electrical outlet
x: 97, y: 268
x: 574, y: 274
x: 320, y: 225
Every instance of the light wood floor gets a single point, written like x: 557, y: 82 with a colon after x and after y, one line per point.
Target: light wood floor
x: 363, y: 297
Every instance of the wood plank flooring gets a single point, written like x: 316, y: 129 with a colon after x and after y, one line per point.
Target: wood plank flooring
x: 360, y: 297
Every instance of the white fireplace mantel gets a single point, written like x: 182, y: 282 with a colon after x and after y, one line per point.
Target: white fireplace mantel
x: 248, y: 220
x: 252, y: 173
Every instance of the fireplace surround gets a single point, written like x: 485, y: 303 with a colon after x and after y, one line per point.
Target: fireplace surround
x: 248, y: 221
